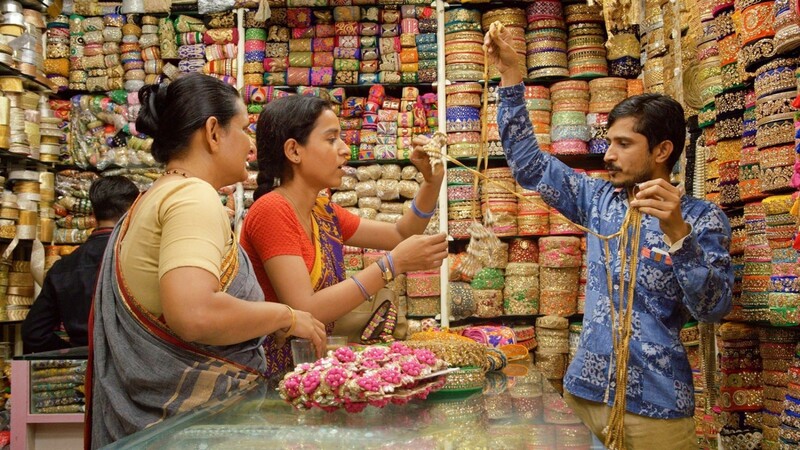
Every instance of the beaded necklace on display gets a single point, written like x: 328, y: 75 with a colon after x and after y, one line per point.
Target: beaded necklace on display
x: 629, y: 234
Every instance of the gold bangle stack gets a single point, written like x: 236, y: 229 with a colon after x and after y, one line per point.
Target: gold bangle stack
x: 510, y: 17
x: 457, y: 353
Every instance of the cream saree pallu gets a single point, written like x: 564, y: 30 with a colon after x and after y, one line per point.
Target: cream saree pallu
x: 141, y: 372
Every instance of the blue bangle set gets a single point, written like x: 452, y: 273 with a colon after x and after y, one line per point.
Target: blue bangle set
x: 391, y: 264
x: 419, y: 213
x: 361, y: 288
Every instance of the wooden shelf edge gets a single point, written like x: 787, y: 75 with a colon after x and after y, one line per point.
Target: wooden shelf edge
x: 42, y: 85
x: 4, y: 153
x: 57, y: 418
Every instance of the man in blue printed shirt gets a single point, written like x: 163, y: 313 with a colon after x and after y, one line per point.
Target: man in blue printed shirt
x: 684, y: 264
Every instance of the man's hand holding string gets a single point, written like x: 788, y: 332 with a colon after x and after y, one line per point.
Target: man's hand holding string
x: 662, y: 200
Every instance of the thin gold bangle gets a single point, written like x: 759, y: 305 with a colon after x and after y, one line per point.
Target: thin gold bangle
x: 294, y: 322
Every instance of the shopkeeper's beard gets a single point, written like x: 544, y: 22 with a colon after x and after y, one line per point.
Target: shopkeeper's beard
x: 644, y: 174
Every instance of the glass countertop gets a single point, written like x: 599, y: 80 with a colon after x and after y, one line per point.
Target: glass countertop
x: 509, y: 413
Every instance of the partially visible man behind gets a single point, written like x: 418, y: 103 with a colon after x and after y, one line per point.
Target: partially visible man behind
x: 69, y: 285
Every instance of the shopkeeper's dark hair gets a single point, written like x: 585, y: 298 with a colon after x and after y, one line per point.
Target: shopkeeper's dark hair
x: 291, y: 117
x: 171, y: 113
x: 111, y: 197
x: 658, y: 117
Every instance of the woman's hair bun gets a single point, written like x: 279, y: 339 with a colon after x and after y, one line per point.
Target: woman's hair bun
x: 151, y: 99
x: 172, y: 113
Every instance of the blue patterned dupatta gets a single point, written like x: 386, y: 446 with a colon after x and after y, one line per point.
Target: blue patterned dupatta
x: 141, y: 372
x: 327, y: 270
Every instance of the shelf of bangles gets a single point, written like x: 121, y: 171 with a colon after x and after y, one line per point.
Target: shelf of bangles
x: 28, y: 81
x: 505, y: 319
x: 587, y: 161
x: 328, y: 5
x: 485, y: 4
x: 28, y: 161
x: 511, y: 238
x: 364, y: 87
x: 364, y: 162
x: 525, y: 81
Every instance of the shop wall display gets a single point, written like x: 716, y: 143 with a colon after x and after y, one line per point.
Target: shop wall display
x: 741, y: 80
x: 393, y: 69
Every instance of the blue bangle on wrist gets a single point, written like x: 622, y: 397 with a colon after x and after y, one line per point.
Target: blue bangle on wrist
x: 391, y: 264
x: 361, y: 288
x: 420, y: 214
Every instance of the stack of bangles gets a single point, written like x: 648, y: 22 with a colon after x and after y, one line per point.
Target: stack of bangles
x: 546, y: 41
x: 386, y: 265
x: 255, y: 56
x: 624, y: 52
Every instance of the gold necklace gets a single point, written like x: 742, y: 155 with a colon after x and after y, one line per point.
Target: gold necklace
x: 176, y: 172
x: 306, y: 228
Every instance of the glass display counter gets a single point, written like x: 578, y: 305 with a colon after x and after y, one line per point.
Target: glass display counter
x: 522, y: 412
x: 47, y: 403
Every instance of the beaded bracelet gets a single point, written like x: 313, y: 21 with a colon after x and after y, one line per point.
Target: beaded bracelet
x: 741, y: 348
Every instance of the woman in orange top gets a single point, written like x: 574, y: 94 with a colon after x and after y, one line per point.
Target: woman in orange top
x: 295, y: 238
